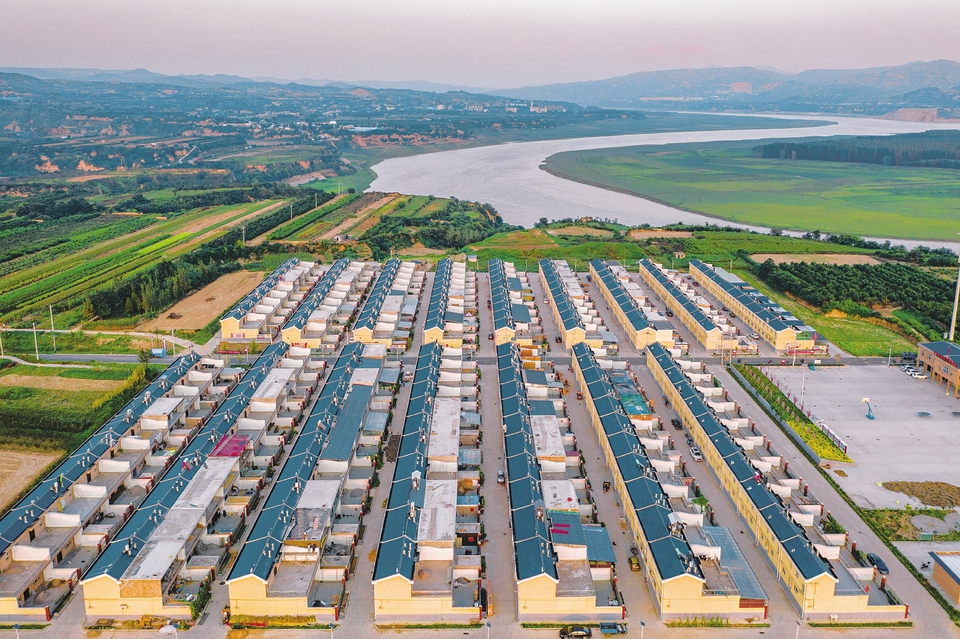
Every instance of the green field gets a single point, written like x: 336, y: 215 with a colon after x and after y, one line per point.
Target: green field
x: 727, y: 182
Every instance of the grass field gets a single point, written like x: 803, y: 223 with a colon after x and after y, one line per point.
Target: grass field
x: 855, y: 336
x: 728, y: 183
x: 822, y: 258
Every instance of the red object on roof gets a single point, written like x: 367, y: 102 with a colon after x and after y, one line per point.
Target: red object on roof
x: 230, y: 446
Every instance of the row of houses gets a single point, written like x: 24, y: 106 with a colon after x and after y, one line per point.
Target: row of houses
x: 693, y: 568
x: 777, y: 326
x: 172, y: 545
x: 564, y: 560
x: 262, y: 312
x: 429, y: 568
x: 387, y: 316
x: 709, y: 325
x: 322, y: 320
x: 513, y: 307
x: 574, y: 310
x: 52, y: 535
x: 297, y: 557
x: 452, y: 312
x: 640, y: 320
x: 820, y: 572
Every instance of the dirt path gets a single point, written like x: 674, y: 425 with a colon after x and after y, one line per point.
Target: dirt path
x: 362, y: 214
x: 204, y: 306
x: 59, y: 383
x: 18, y: 469
x: 818, y: 258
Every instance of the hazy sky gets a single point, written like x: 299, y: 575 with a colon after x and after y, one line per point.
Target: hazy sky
x: 483, y: 43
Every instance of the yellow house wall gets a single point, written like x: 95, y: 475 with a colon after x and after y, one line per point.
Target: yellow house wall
x: 10, y: 607
x: 248, y: 596
x: 503, y: 336
x: 105, y: 597
x: 432, y: 335
x: 394, y: 601
x: 363, y: 335
x: 949, y: 586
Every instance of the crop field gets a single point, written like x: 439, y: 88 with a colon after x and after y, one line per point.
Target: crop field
x: 354, y: 220
x: 20, y: 343
x: 728, y: 183
x: 66, y: 271
x: 202, y: 307
x: 333, y: 217
x: 52, y: 409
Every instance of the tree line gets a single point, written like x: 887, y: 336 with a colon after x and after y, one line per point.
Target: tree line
x: 858, y: 288
x: 939, y: 149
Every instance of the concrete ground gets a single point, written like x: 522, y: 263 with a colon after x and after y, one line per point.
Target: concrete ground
x: 923, y: 448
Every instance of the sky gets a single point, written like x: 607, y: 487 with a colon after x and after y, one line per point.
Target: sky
x: 476, y: 43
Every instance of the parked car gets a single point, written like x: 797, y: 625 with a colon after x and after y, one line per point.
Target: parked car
x: 634, y: 564
x: 676, y: 423
x: 546, y: 301
x: 695, y: 454
x: 489, y: 335
x: 754, y: 335
x: 908, y: 357
x: 559, y: 339
x: 919, y: 375
x: 669, y: 313
x: 575, y: 631
x: 501, y: 478
x: 876, y: 561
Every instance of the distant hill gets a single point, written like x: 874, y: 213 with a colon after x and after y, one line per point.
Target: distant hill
x: 869, y: 91
x: 142, y: 76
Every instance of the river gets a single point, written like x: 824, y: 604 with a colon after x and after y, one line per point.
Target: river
x: 508, y: 175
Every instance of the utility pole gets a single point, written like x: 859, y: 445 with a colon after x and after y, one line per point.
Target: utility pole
x: 243, y: 231
x: 291, y: 212
x: 36, y: 345
x: 53, y: 332
x: 315, y: 200
x: 1, y: 344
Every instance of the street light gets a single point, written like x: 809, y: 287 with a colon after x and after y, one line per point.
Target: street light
x: 642, y: 626
x: 797, y: 635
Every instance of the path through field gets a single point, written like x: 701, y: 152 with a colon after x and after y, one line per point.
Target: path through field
x: 819, y: 258
x: 362, y: 214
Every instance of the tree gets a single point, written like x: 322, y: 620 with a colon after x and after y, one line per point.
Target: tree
x: 144, y: 356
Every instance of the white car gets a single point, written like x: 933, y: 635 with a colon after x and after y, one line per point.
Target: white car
x: 754, y: 335
x: 918, y: 375
x: 695, y: 454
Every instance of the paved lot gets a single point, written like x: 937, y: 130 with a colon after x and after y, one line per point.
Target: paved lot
x: 898, y: 445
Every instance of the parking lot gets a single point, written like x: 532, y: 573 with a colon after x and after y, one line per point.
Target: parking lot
x: 912, y: 438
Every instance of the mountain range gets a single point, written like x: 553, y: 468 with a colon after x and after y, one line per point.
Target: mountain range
x: 875, y: 91
x: 871, y: 91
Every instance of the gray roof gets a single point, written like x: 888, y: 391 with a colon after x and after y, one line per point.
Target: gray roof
x: 28, y: 510
x: 137, y: 530
x: 250, y: 301
x: 371, y: 309
x: 263, y: 544
x: 533, y: 549
x: 439, y: 295
x: 638, y: 321
x: 565, y: 308
x: 792, y: 537
x: 396, y: 554
x: 316, y: 295
x: 685, y: 302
